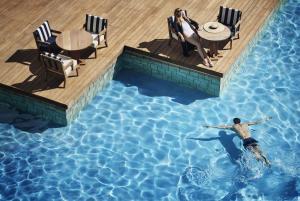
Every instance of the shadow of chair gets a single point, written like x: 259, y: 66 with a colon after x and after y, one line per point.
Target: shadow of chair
x: 234, y: 153
x: 24, y: 56
x: 174, y: 52
x: 29, y: 58
x: 161, y: 47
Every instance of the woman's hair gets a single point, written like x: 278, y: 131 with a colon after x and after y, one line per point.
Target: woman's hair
x: 177, y: 11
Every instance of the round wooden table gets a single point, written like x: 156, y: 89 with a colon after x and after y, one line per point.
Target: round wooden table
x: 74, y: 41
x: 214, y: 32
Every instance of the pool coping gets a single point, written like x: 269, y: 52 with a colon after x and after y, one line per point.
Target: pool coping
x: 172, y: 62
x: 31, y: 95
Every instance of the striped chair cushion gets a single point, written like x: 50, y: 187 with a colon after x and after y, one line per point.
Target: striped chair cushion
x: 54, y: 56
x: 171, y: 21
x: 59, y: 63
x: 44, y: 31
x: 52, y: 61
x: 95, y: 24
x: 229, y: 16
x: 95, y: 39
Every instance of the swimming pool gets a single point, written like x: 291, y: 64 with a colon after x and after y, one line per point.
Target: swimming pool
x: 131, y: 142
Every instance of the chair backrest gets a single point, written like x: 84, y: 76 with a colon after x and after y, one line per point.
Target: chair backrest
x: 43, y: 32
x: 95, y: 24
x: 171, y: 21
x: 229, y: 16
x: 53, y: 62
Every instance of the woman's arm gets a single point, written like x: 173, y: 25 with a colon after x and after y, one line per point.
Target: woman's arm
x: 181, y: 36
x: 177, y: 30
x: 194, y: 23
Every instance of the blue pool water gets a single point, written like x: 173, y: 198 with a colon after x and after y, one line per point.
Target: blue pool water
x: 131, y: 142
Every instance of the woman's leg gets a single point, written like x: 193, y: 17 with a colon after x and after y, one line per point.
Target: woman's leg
x: 195, y: 40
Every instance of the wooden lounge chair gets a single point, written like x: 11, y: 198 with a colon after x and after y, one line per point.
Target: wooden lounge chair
x: 60, y: 65
x: 186, y: 46
x: 97, y: 26
x: 45, y: 38
x: 231, y: 18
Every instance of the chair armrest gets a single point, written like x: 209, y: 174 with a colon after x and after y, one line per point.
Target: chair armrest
x: 218, y: 17
x: 237, y: 24
x: 102, y: 32
x: 172, y: 30
x: 68, y: 65
x: 53, y: 71
x: 64, y: 57
x: 194, y: 23
x: 44, y: 43
x: 55, y: 31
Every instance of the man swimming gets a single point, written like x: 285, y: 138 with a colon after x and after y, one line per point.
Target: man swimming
x: 249, y: 143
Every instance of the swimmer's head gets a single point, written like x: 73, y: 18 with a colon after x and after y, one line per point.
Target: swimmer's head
x: 236, y: 121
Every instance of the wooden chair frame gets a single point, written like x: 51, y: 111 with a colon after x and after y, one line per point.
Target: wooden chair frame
x: 40, y: 44
x: 103, y: 32
x: 52, y: 65
x: 235, y: 29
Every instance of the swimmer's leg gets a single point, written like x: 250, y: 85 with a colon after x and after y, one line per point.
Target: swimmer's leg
x: 259, y: 155
x: 265, y: 160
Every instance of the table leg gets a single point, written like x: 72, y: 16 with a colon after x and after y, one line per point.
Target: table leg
x: 76, y: 55
x: 210, y: 52
x: 216, y: 49
x: 213, y: 51
x: 218, y: 53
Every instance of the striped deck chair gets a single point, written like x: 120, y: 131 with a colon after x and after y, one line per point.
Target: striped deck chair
x: 173, y: 35
x: 45, y: 38
x: 231, y: 18
x: 97, y: 26
x: 60, y: 65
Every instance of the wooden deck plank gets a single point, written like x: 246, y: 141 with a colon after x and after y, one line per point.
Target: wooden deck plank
x: 135, y: 23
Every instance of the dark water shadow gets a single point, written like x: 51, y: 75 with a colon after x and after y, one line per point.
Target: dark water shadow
x: 154, y: 87
x: 24, y: 121
x: 289, y: 190
x: 235, y: 156
x: 234, y: 153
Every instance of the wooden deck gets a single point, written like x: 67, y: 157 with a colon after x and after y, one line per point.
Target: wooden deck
x: 134, y: 23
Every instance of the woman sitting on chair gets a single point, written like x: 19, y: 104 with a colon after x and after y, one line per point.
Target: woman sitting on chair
x: 187, y: 32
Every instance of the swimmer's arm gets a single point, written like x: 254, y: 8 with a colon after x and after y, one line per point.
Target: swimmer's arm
x: 220, y: 126
x: 259, y: 121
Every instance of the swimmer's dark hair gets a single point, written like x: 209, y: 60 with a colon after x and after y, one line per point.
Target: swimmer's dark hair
x: 236, y: 120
